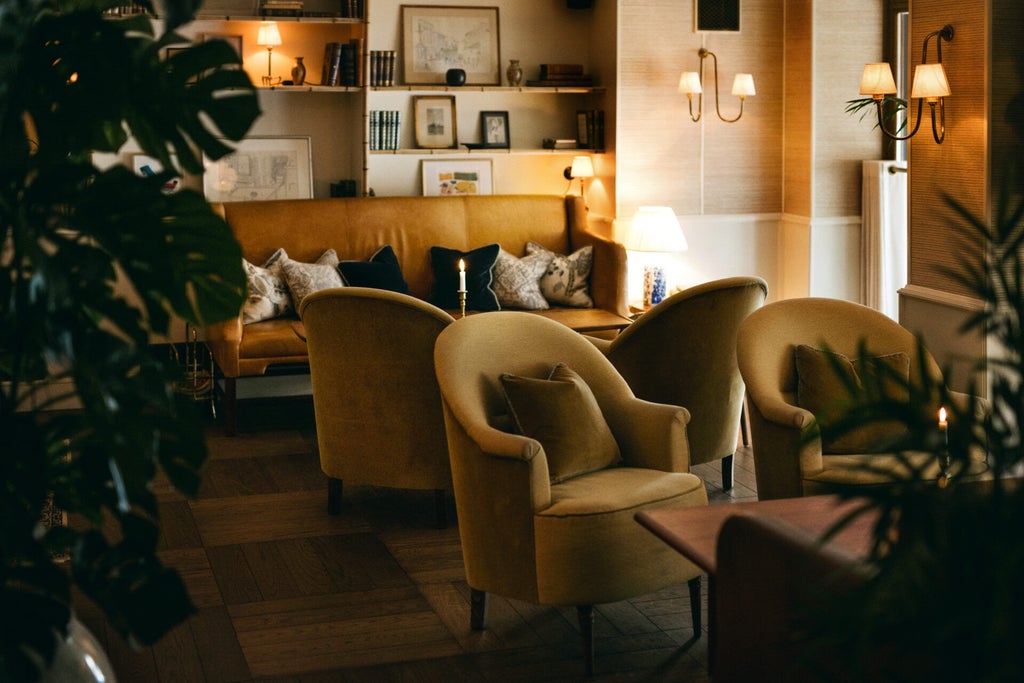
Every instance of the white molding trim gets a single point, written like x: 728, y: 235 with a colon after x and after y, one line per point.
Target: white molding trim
x: 935, y: 296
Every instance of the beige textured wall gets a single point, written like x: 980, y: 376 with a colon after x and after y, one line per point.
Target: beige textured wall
x: 799, y: 51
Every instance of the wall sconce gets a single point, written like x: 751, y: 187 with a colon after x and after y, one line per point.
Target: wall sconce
x: 691, y: 83
x: 930, y: 84
x: 654, y: 229
x: 582, y: 167
x: 269, y: 37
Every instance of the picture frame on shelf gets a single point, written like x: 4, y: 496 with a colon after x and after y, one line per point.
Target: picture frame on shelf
x: 435, y: 39
x: 494, y: 131
x: 451, y: 177
x: 261, y: 168
x: 435, y: 122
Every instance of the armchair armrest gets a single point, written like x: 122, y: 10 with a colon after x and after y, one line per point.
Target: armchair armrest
x: 224, y: 340
x: 639, y: 427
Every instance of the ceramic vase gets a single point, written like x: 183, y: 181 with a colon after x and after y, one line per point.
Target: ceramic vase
x: 514, y: 73
x: 79, y: 658
x: 299, y: 72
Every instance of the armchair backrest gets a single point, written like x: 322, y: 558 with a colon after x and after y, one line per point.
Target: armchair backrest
x: 375, y: 395
x: 683, y: 352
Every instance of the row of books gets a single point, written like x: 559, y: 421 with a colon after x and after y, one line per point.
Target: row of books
x: 590, y: 128
x: 343, y: 64
x: 346, y: 187
x: 382, y: 68
x: 346, y: 9
x: 385, y: 129
x: 280, y: 8
x: 565, y: 75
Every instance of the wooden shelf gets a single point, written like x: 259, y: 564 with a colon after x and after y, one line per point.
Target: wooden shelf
x: 487, y: 151
x: 486, y: 88
x: 299, y: 20
x: 305, y: 87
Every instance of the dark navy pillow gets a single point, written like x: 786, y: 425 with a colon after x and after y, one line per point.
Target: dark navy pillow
x: 479, y: 265
x: 380, y: 271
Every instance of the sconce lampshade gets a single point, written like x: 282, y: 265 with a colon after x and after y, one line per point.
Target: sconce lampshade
x: 689, y: 83
x: 743, y: 85
x: 930, y: 82
x: 268, y: 35
x: 582, y: 167
x: 655, y: 228
x: 877, y: 80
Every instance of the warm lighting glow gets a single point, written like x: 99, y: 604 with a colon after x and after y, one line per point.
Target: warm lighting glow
x: 942, y: 418
x: 689, y: 83
x: 462, y: 275
x: 655, y: 228
x: 268, y: 35
x: 582, y: 167
x: 877, y: 80
x: 930, y: 82
x: 743, y: 85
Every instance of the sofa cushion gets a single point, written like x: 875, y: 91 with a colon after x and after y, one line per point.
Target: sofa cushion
x: 824, y: 381
x: 565, y: 282
x: 517, y: 280
x: 267, y: 293
x: 380, y: 271
x: 479, y: 263
x: 305, y: 278
x: 562, y: 413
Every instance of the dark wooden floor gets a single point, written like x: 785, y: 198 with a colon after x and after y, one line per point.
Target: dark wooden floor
x: 287, y: 593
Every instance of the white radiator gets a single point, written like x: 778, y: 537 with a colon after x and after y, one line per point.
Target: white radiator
x: 884, y: 235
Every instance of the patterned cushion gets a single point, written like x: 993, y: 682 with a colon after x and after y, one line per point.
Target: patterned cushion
x: 267, y: 292
x: 305, y: 278
x: 479, y: 278
x: 517, y: 280
x: 566, y: 280
x: 380, y: 271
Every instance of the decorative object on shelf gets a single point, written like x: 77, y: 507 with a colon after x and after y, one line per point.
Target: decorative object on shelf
x: 435, y: 39
x: 281, y: 8
x: 559, y: 143
x: 494, y: 129
x: 590, y: 128
x: 654, y: 229
x: 514, y: 73
x: 930, y: 85
x: 455, y: 77
x: 692, y: 83
x: 435, y: 122
x: 261, y: 168
x: 582, y: 167
x: 456, y: 177
x: 299, y: 72
x: 270, y: 37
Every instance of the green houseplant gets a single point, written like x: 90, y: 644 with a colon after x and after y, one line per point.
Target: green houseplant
x: 72, y: 82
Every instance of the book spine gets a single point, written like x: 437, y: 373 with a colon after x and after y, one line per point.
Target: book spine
x: 358, y: 45
x: 374, y: 126
x: 347, y: 67
x: 390, y: 68
x: 334, y: 74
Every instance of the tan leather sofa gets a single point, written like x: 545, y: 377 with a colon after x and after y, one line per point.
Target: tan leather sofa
x: 357, y: 227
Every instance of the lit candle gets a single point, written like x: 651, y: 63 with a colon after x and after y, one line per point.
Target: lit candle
x: 462, y: 275
x: 944, y: 475
x: 942, y: 419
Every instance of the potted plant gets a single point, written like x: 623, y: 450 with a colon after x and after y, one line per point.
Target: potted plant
x: 74, y: 81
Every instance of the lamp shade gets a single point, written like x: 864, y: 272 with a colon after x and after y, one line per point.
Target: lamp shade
x: 743, y: 85
x: 689, y: 83
x: 877, y: 80
x: 930, y: 82
x: 655, y: 228
x: 268, y: 35
x: 582, y: 167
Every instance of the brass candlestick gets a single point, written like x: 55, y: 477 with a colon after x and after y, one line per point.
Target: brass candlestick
x: 462, y: 302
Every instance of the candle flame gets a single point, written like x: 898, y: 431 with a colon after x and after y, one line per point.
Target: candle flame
x: 942, y: 417
x: 462, y: 265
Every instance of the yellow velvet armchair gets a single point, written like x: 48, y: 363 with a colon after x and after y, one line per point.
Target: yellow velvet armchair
x: 573, y: 542
x: 683, y: 352
x: 790, y: 459
x: 375, y: 395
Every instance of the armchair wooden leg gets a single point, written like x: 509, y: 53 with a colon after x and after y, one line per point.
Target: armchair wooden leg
x: 694, y: 585
x: 441, y: 509
x: 230, y: 406
x: 727, y: 465
x: 585, y: 614
x: 334, y: 487
x: 477, y: 609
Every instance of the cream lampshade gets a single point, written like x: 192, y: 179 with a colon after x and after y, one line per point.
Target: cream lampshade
x: 743, y: 86
x: 877, y: 80
x: 930, y: 82
x: 689, y: 83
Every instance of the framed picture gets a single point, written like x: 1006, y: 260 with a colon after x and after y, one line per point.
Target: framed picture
x: 145, y: 165
x: 259, y: 169
x: 443, y: 177
x: 494, y: 129
x: 435, y: 39
x: 434, y: 121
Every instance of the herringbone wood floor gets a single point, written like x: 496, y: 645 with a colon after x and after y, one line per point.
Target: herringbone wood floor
x: 285, y: 592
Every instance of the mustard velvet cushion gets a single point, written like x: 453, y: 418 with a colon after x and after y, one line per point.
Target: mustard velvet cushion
x: 517, y: 280
x: 562, y: 413
x: 381, y: 271
x: 305, y: 278
x: 566, y: 280
x: 479, y: 262
x: 267, y: 293
x: 823, y: 378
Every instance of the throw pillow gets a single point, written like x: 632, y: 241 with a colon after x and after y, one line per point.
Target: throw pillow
x: 517, y: 280
x: 305, y: 278
x: 266, y: 290
x: 380, y: 271
x: 562, y: 413
x: 565, y: 281
x: 479, y: 278
x: 824, y: 379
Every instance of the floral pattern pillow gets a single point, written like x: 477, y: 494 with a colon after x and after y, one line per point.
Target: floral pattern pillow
x: 305, y: 278
x: 517, y: 280
x: 267, y: 293
x: 566, y: 280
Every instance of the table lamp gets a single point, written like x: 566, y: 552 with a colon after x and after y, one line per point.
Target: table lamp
x: 270, y: 37
x: 654, y: 229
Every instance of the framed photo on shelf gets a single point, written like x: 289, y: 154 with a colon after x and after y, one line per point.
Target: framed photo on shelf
x: 435, y: 39
x: 261, y: 168
x: 494, y: 129
x: 445, y: 177
x: 434, y: 121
